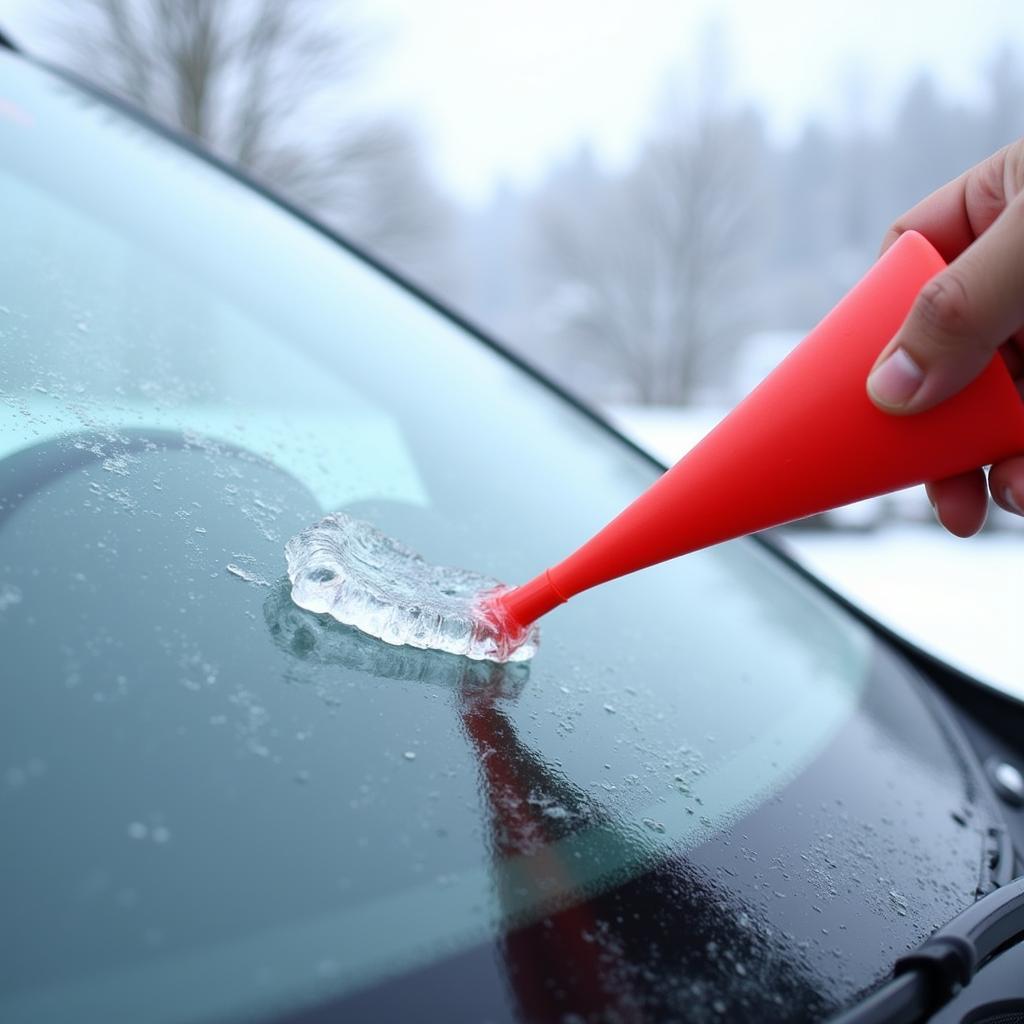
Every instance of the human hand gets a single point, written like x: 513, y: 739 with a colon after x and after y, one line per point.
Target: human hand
x: 962, y: 317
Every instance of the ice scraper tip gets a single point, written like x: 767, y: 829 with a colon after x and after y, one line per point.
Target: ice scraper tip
x: 806, y: 440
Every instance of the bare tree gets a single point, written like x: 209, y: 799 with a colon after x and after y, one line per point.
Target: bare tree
x: 653, y: 265
x: 266, y: 84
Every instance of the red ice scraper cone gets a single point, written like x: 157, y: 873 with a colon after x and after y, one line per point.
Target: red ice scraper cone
x: 807, y: 439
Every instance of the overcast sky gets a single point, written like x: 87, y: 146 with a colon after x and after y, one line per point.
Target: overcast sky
x: 507, y: 84
x: 502, y: 87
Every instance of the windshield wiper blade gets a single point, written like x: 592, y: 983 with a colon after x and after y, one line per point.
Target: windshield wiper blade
x: 926, y: 979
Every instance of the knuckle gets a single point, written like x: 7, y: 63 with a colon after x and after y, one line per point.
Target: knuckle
x: 1014, y: 212
x: 986, y: 191
x: 1014, y: 168
x: 943, y: 308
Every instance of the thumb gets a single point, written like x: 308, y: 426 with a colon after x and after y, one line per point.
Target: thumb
x: 958, y: 321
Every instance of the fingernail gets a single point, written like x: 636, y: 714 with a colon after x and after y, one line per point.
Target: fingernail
x: 895, y: 382
x: 1012, y: 501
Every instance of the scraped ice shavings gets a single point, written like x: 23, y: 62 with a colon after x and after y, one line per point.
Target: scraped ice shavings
x: 246, y: 574
x: 348, y: 569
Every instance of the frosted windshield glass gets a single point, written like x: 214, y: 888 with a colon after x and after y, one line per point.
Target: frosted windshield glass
x: 227, y: 802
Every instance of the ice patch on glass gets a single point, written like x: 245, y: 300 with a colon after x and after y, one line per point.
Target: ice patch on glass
x: 348, y: 569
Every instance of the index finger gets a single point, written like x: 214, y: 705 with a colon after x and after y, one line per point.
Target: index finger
x: 952, y: 217
x: 941, y: 217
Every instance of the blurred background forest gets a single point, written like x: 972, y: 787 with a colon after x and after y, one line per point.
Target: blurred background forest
x: 674, y: 276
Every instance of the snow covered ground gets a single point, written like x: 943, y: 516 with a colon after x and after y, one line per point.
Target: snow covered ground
x: 962, y: 600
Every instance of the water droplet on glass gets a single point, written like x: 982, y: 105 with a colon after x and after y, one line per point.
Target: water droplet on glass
x: 326, y: 968
x: 245, y: 574
x: 10, y: 595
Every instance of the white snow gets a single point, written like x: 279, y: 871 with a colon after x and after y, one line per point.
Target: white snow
x: 960, y: 599
x: 963, y: 600
x: 667, y: 432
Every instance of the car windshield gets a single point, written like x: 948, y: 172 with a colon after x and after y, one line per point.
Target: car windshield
x: 214, y: 803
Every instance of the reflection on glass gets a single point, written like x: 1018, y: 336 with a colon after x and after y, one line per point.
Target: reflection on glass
x: 614, y: 953
x: 321, y: 640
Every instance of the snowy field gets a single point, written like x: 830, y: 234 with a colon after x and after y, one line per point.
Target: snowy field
x: 962, y: 600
